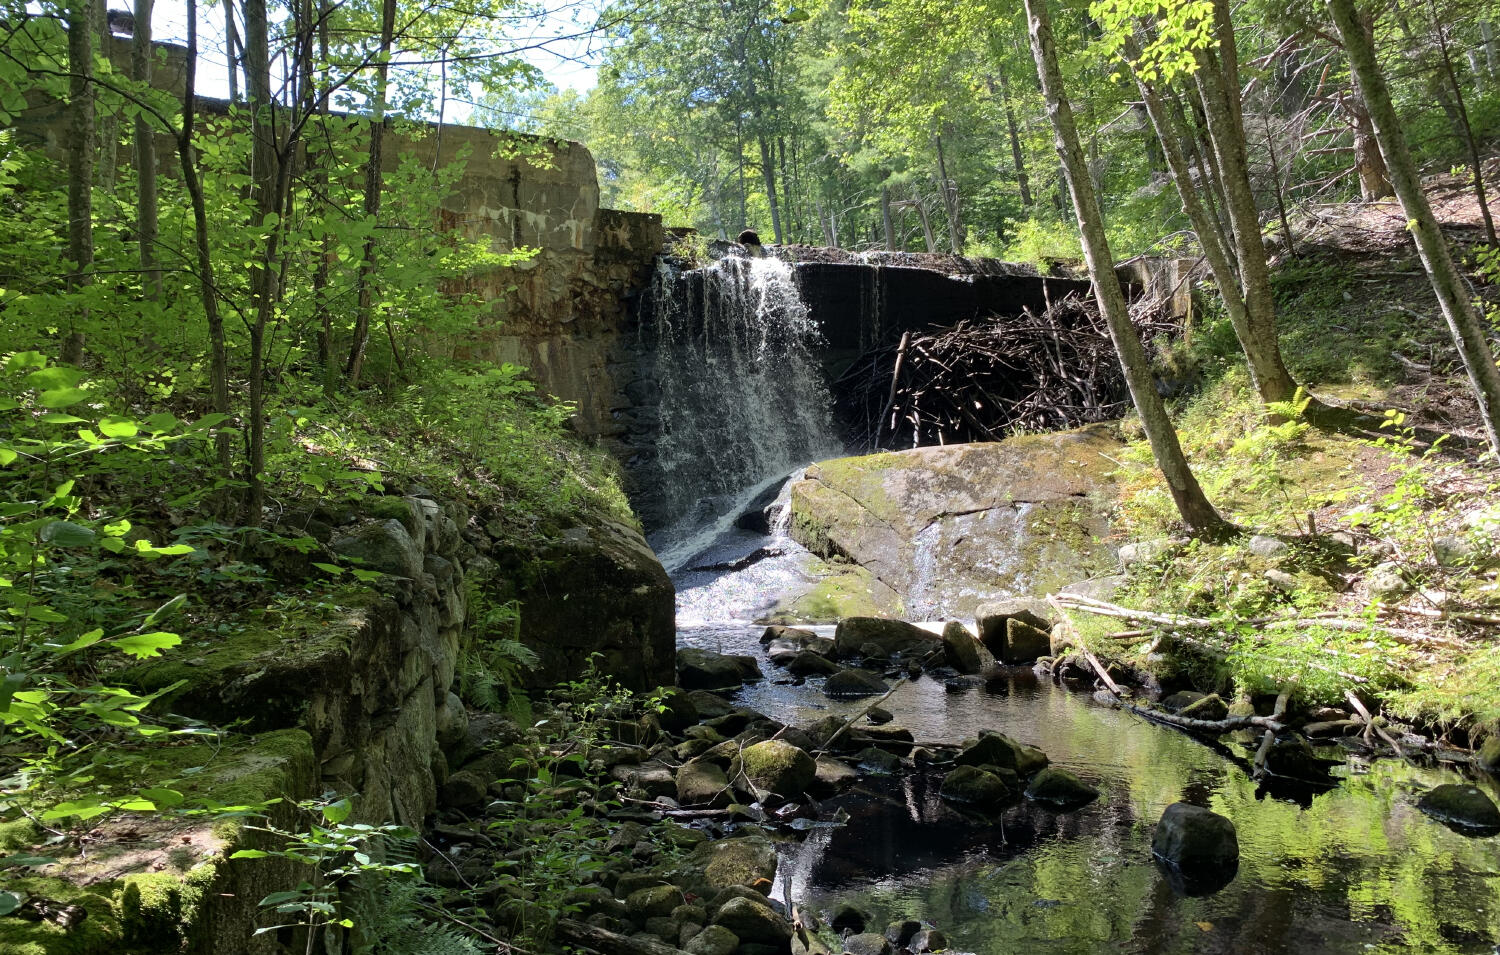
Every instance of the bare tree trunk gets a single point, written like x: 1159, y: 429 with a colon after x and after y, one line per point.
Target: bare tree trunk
x: 1463, y: 321
x: 263, y: 278
x: 107, y: 137
x: 1218, y: 79
x: 1191, y: 502
x: 218, y: 369
x: 885, y: 219
x: 950, y: 203
x: 145, y: 156
x: 1017, y: 157
x: 927, y: 233
x: 1374, y: 181
x: 80, y: 169
x: 768, y: 173
x: 374, y: 179
x: 1475, y: 163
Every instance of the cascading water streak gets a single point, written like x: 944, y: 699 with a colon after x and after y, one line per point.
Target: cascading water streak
x: 743, y: 398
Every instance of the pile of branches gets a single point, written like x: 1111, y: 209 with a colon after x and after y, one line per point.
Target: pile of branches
x: 983, y: 379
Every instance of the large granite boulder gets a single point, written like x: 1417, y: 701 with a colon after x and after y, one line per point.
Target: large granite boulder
x: 776, y: 767
x: 951, y: 527
x: 881, y: 637
x: 699, y: 669
x: 1198, y: 843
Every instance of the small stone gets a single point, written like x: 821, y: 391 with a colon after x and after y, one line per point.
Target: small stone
x: 465, y: 790
x: 851, y: 683
x: 997, y: 749
x: 879, y: 716
x: 1209, y: 708
x: 1386, y: 582
x: 1262, y: 545
x: 877, y: 762
x: 1177, y: 702
x: 1462, y: 808
x: 1143, y: 552
x: 834, y: 775
x: 807, y: 663
x: 1282, y: 581
x: 867, y: 943
x: 702, y: 783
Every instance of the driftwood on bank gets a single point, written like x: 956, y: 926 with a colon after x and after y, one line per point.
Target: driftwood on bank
x: 988, y: 377
x: 605, y: 942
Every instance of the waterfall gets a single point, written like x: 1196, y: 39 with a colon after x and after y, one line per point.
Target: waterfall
x: 743, y: 400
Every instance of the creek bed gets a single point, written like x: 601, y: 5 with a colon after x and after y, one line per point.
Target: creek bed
x: 1355, y: 869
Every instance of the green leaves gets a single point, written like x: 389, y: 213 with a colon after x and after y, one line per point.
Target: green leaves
x: 144, y: 645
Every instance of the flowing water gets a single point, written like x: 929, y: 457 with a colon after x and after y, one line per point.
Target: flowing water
x: 1351, y: 870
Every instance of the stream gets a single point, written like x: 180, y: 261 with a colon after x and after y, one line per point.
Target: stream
x: 1355, y: 869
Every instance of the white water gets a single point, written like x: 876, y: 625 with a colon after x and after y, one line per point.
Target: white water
x: 743, y: 399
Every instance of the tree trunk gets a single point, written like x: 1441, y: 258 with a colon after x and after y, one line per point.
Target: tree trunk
x: 1463, y: 321
x: 1219, y: 82
x: 1191, y: 502
x: 234, y: 50
x: 1374, y: 181
x: 1475, y: 163
x: 926, y: 225
x: 1017, y: 157
x: 374, y: 180
x: 885, y: 219
x: 768, y: 174
x: 145, y: 157
x: 80, y: 169
x: 263, y: 279
x: 950, y: 203
x: 1260, y: 365
x: 208, y: 293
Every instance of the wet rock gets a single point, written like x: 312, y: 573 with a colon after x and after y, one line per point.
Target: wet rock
x: 1463, y: 808
x: 1293, y: 758
x: 834, y: 775
x: 854, y: 682
x: 901, y: 933
x: 1060, y: 789
x: 879, y: 716
x: 1210, y: 708
x: 1195, y: 841
x: 700, y: 669
x: 997, y: 749
x: 992, y: 617
x: 1024, y: 643
x: 975, y: 787
x: 748, y: 861
x: 782, y: 651
x: 702, y: 783
x: 754, y: 922
x: 653, y: 901
x: 880, y: 637
x: 742, y: 892
x: 713, y: 940
x: 848, y: 920
x: 780, y: 632
x: 867, y: 943
x: 710, y: 705
x: 664, y: 927
x: 1488, y: 757
x: 878, y: 762
x: 929, y: 940
x: 964, y: 652
x: 779, y: 768
x: 894, y: 739
x: 807, y: 663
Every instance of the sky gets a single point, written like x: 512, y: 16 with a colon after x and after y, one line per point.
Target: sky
x: 567, y: 64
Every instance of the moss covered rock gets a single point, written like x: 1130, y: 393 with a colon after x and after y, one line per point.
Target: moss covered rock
x: 776, y: 767
x: 976, y: 788
x: 997, y: 749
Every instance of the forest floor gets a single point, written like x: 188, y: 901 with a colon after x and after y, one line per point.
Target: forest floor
x: 1370, y: 563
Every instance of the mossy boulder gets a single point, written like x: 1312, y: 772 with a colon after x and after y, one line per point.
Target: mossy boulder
x: 854, y: 682
x: 654, y: 901
x: 1488, y: 757
x: 964, y: 652
x: 975, y: 788
x: 754, y: 923
x: 1060, y: 789
x: 997, y: 749
x: 1024, y: 643
x: 713, y: 940
x: 881, y: 637
x: 749, y: 861
x: 778, y: 768
x: 1197, y: 842
x: 947, y: 528
x: 702, y: 782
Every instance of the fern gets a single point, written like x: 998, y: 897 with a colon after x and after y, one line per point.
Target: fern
x: 387, y: 913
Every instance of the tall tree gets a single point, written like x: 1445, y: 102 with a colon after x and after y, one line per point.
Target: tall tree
x: 1463, y: 321
x: 145, y: 155
x: 81, y: 99
x: 1192, y: 504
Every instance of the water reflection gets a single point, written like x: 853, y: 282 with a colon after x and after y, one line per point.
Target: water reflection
x: 1354, y: 869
